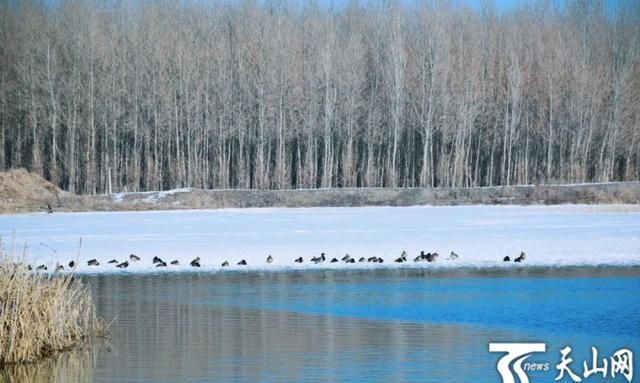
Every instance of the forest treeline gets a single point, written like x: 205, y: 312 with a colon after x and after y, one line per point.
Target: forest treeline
x: 150, y: 95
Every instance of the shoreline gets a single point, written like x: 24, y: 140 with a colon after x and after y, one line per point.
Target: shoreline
x: 193, y: 198
x: 520, y: 270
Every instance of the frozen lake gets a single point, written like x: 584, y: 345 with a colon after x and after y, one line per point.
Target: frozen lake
x: 287, y: 321
x: 569, y: 235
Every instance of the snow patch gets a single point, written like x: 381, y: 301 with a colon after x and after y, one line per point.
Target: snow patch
x: 149, y: 197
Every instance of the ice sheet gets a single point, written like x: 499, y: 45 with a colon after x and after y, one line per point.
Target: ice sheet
x: 567, y: 235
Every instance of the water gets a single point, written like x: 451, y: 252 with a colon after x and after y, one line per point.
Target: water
x: 368, y: 325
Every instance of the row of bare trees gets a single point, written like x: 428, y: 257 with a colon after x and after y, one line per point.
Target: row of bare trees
x: 148, y: 95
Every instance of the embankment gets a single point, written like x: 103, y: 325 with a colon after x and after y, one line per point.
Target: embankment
x: 21, y: 191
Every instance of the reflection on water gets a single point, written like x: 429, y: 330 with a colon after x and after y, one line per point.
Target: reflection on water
x: 195, y: 328
x: 73, y: 366
x: 329, y: 326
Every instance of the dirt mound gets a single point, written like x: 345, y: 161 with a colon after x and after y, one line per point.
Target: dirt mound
x: 20, y: 187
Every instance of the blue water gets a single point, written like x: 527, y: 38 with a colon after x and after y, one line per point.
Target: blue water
x: 384, y: 325
x: 358, y: 326
x: 605, y: 306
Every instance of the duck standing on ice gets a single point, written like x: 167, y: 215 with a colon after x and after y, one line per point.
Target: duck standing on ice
x: 319, y: 259
x: 521, y: 257
x: 432, y: 257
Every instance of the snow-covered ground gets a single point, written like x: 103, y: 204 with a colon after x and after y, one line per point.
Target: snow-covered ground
x: 481, y: 235
x: 150, y: 197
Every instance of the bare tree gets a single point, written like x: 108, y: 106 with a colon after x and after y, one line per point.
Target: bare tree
x: 146, y: 95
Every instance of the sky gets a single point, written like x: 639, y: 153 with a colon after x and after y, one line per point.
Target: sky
x: 611, y: 6
x: 500, y: 5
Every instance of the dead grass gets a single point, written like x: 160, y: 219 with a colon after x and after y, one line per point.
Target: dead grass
x: 42, y: 314
x: 20, y: 184
x: 21, y: 191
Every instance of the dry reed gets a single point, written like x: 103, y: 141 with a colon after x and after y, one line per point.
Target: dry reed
x: 78, y: 365
x: 42, y: 314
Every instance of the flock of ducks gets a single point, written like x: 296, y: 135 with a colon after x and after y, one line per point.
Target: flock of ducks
x: 197, y: 262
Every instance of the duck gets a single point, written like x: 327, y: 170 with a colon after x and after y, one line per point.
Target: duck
x: 506, y: 259
x: 521, y: 257
x: 29, y: 267
x: 93, y: 262
x: 422, y: 257
x: 362, y: 259
x: 113, y: 261
x: 123, y: 265
x: 161, y: 264
x: 242, y: 263
x: 134, y: 258
x: 225, y: 264
x: 334, y: 260
x: 41, y: 267
x: 195, y: 262
x: 432, y: 257
x: 59, y: 267
x: 350, y: 260
x: 372, y: 260
x: 72, y: 264
x: 346, y: 257
x: 299, y: 260
x: 453, y: 255
x: 403, y: 257
x: 175, y: 263
x: 269, y: 259
x: 319, y: 259
x: 156, y: 260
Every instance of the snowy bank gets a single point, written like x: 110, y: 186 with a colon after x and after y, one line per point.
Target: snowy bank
x: 566, y: 235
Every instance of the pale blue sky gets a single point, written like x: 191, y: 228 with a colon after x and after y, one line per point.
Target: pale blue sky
x: 500, y: 5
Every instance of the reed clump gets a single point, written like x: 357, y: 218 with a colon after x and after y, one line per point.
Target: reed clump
x: 42, y: 314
